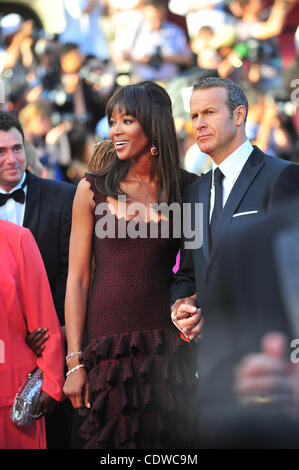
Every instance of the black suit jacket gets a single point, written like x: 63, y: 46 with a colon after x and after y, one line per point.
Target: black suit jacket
x: 48, y: 215
x: 264, y: 183
x: 252, y: 290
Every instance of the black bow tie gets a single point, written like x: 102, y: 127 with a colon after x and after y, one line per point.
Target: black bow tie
x: 18, y: 195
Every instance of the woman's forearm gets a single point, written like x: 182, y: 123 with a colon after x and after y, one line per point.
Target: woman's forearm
x: 75, y: 314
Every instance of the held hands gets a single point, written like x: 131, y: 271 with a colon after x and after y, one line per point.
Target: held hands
x: 187, y: 317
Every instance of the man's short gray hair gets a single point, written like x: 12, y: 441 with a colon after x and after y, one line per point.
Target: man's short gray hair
x: 235, y: 94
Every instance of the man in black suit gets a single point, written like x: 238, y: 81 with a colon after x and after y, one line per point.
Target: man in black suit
x: 249, y: 398
x: 43, y: 206
x: 244, y: 184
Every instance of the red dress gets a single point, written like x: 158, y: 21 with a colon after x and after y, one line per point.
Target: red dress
x: 142, y: 375
x: 25, y: 305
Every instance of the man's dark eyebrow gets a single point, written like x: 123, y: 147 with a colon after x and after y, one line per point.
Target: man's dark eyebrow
x: 14, y: 146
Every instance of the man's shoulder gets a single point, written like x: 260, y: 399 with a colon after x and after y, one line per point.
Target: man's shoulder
x: 173, y: 30
x: 276, y: 163
x: 201, y: 179
x: 192, y: 189
x: 60, y: 186
x: 49, y: 185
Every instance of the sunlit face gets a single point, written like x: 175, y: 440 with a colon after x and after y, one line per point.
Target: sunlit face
x: 71, y: 62
x: 12, y: 158
x: 154, y: 16
x: 128, y: 136
x: 215, y: 130
x: 39, y: 125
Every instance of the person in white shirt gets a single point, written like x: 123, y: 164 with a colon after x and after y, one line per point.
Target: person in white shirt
x: 45, y: 207
x: 156, y: 48
x: 200, y: 13
x: 244, y: 183
x: 83, y: 27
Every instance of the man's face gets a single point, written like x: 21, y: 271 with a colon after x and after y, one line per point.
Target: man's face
x: 215, y: 131
x: 12, y: 158
x: 154, y: 16
x: 71, y: 62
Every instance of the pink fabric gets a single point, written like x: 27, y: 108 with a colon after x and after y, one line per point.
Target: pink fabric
x: 25, y: 305
x: 15, y: 437
x: 177, y: 263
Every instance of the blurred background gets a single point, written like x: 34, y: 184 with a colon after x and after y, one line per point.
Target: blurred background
x: 60, y: 61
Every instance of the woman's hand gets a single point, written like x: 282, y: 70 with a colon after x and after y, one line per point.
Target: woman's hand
x: 36, y: 340
x: 46, y: 404
x: 76, y: 388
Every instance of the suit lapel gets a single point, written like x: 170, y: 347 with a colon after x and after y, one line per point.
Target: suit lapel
x: 251, y: 168
x: 32, y: 209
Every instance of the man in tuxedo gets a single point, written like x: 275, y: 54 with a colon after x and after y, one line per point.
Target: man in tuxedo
x: 249, y: 368
x: 45, y: 207
x: 243, y: 184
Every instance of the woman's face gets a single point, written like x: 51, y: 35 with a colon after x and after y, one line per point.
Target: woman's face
x: 128, y: 136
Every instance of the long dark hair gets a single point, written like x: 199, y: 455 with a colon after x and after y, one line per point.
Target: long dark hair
x: 151, y: 105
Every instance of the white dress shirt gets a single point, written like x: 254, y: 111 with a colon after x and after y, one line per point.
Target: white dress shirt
x: 14, y: 211
x: 231, y: 168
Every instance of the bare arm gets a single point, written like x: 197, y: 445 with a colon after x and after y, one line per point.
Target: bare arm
x: 77, y: 289
x: 273, y: 25
x: 14, y: 49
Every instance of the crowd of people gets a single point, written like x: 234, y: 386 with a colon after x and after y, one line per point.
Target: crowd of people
x: 136, y: 107
x: 59, y: 85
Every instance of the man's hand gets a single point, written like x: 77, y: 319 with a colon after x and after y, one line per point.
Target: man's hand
x: 187, y: 317
x: 268, y: 376
x: 45, y: 405
x: 36, y: 340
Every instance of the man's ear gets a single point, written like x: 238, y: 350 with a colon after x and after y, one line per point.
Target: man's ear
x: 240, y: 115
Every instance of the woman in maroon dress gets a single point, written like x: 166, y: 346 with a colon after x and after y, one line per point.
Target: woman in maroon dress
x: 136, y: 377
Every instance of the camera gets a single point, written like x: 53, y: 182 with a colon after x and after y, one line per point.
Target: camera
x: 255, y: 50
x: 156, y: 59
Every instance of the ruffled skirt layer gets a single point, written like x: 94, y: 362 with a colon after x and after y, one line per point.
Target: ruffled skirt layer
x: 142, y: 389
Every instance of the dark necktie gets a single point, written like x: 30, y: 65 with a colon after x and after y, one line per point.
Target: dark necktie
x: 218, y: 177
x: 18, y: 195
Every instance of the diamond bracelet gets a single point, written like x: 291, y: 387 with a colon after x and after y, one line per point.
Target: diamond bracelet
x: 72, y: 354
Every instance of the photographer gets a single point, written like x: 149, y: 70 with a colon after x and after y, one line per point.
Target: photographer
x: 157, y: 49
x: 257, y: 32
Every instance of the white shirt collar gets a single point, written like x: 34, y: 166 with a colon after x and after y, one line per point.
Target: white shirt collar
x: 232, y: 165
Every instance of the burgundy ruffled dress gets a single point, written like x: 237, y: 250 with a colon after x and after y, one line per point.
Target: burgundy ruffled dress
x: 141, y: 373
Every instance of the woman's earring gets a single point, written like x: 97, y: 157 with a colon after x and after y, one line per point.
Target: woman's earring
x: 154, y: 151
